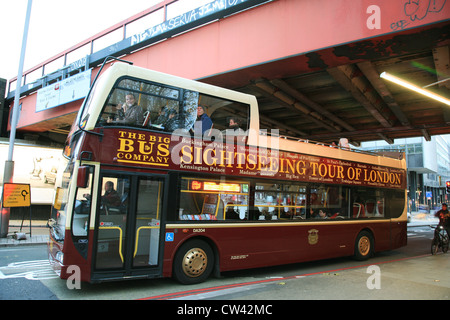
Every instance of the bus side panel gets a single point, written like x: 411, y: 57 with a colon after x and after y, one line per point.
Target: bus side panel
x: 246, y: 247
x: 381, y: 235
x: 399, y: 237
x: 73, y: 258
x: 267, y: 246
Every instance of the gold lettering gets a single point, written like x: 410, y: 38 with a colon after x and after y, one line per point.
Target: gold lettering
x: 163, y: 150
x: 290, y: 166
x: 198, y: 155
x: 251, y: 162
x: 126, y: 145
x: 314, y: 165
x: 186, y: 154
x: 240, y: 159
x: 358, y: 173
x: 340, y: 172
x: 302, y: 170
x: 207, y: 155
x: 323, y: 170
x: 145, y: 148
x: 331, y: 171
x: 229, y: 158
x: 262, y: 163
x: 273, y: 164
x: 351, y: 173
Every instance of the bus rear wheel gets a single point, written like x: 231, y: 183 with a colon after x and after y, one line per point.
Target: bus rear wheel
x: 363, y: 246
x: 193, y: 263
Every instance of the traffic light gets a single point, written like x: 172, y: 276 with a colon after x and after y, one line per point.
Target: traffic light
x: 447, y: 183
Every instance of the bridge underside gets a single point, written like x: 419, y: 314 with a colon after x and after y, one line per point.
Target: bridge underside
x: 311, y: 81
x: 338, y: 92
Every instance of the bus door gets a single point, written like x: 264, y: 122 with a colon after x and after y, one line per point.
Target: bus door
x: 128, y: 226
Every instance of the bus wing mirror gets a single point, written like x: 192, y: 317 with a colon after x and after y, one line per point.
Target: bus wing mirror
x: 82, y: 178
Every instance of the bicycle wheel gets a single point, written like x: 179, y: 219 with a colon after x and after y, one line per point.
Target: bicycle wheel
x: 444, y: 243
x: 434, y: 246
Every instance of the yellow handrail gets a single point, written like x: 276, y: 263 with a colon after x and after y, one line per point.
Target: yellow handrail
x: 120, y: 238
x: 137, y: 237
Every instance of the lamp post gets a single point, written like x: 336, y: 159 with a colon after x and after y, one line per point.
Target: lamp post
x: 9, y: 164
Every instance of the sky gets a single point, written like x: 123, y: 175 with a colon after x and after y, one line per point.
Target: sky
x: 56, y: 25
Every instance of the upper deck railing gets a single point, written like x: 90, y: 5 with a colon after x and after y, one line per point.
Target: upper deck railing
x: 394, y: 154
x: 160, y: 22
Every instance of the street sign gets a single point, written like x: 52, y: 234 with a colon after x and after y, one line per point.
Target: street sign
x: 16, y: 195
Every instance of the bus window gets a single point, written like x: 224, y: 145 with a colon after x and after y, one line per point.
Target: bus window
x: 112, y: 220
x: 59, y: 209
x: 292, y: 202
x: 82, y: 210
x: 203, y: 199
x: 266, y: 201
x: 148, y: 219
x: 368, y: 203
x: 114, y: 197
x: 335, y: 203
x: 329, y: 202
x: 274, y: 201
x: 159, y: 107
x: 394, y: 204
x: 152, y: 106
x: 230, y: 119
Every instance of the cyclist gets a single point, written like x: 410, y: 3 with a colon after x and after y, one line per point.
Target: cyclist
x: 444, y: 218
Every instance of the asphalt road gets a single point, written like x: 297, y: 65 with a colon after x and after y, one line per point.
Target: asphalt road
x: 406, y: 273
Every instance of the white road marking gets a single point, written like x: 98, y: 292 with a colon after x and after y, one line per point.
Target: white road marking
x: 40, y: 270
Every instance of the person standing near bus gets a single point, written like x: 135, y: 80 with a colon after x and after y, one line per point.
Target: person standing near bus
x: 130, y: 113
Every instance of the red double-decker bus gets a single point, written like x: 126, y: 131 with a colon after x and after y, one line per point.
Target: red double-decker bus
x: 165, y: 177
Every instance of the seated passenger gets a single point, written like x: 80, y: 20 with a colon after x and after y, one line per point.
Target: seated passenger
x: 129, y: 113
x: 322, y: 215
x: 167, y: 119
x: 231, y: 213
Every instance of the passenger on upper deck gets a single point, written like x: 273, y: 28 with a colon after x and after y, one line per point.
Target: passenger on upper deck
x: 343, y: 144
x: 234, y: 123
x: 203, y: 121
x: 168, y: 119
x: 129, y: 113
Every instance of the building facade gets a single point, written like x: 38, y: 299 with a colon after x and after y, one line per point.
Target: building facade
x: 428, y: 169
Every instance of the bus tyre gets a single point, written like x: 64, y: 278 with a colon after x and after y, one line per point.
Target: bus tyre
x: 193, y: 263
x: 363, y: 246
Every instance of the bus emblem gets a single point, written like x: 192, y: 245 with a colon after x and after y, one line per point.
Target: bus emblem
x: 313, y: 236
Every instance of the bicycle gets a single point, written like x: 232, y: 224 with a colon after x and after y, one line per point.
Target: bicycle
x: 440, y: 240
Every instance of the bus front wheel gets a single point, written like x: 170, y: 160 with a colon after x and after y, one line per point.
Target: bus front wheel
x: 364, y: 246
x: 194, y: 262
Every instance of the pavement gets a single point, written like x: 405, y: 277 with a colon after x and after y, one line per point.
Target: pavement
x: 39, y: 231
